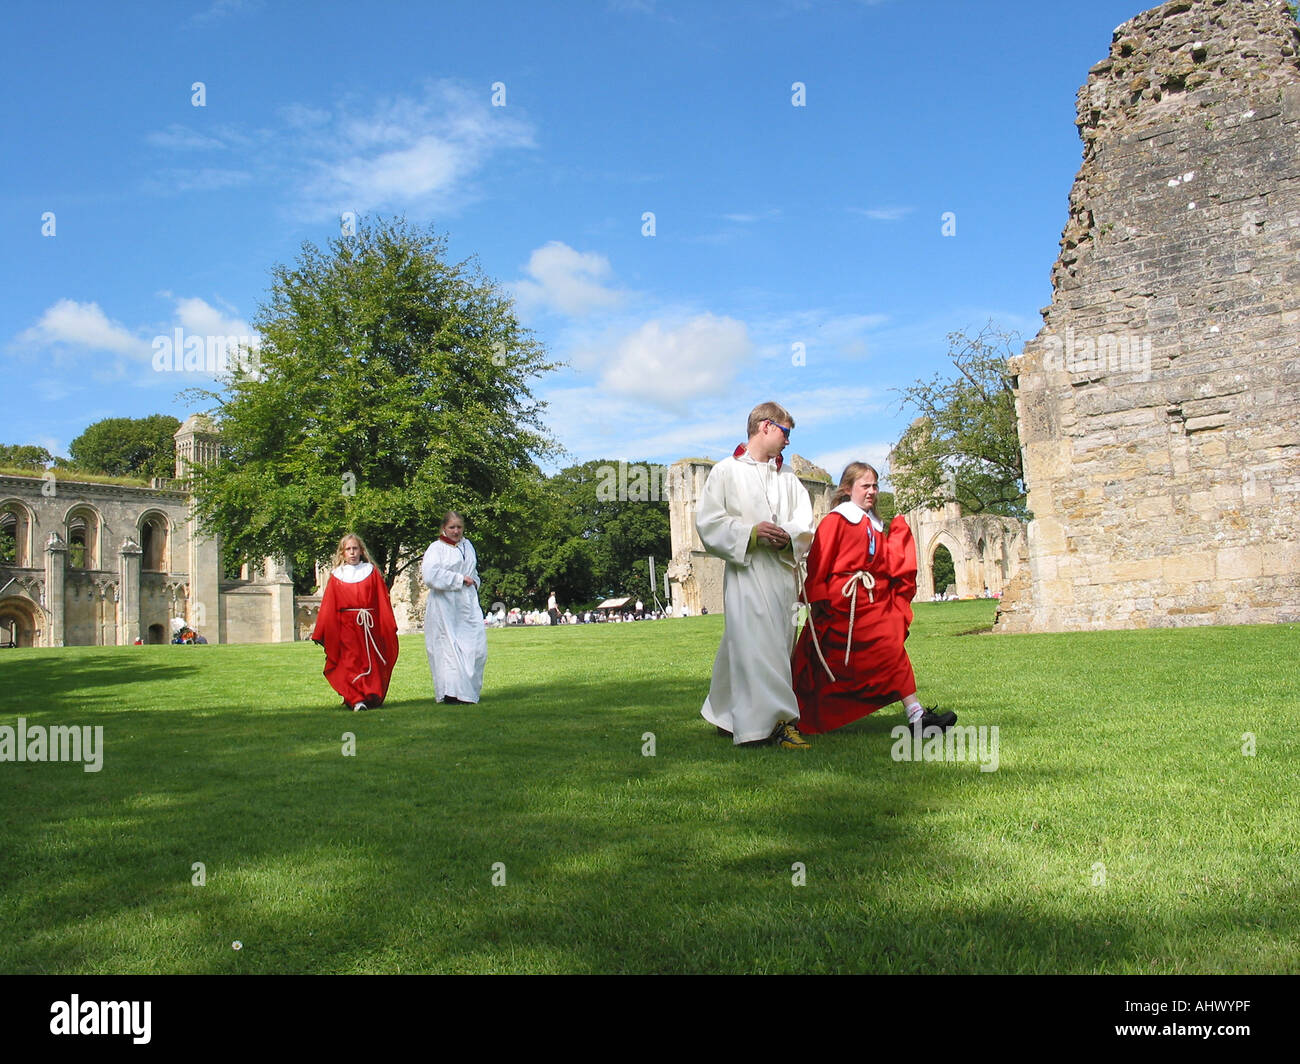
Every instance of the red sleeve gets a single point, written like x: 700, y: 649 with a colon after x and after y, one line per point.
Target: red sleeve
x: 326, y: 632
x: 902, y: 556
x: 821, y: 558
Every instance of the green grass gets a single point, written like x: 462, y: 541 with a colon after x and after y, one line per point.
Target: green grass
x: 1123, y: 748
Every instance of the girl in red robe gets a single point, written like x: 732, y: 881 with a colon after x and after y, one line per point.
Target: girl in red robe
x: 859, y: 589
x: 356, y: 627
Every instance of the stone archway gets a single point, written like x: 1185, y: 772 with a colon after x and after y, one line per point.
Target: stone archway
x: 20, y: 622
x: 925, y: 589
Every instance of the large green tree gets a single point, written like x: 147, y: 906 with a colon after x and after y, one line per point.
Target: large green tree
x: 127, y: 447
x: 964, y: 445
x: 390, y: 386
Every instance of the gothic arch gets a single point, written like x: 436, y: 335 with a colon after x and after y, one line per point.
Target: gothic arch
x: 944, y: 538
x: 154, y: 536
x: 20, y: 621
x: 85, y: 532
x: 16, y: 531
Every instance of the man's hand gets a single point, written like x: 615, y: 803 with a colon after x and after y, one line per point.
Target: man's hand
x: 771, y: 535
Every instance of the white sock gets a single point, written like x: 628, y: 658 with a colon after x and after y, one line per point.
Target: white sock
x: 914, y: 712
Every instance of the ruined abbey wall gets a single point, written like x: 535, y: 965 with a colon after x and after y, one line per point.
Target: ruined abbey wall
x: 1159, y: 407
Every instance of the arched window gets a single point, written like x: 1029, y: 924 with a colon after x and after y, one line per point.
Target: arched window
x: 15, y: 535
x: 945, y: 572
x: 83, y: 538
x: 153, y: 543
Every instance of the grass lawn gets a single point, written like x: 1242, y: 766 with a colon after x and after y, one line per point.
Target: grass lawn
x: 1124, y: 830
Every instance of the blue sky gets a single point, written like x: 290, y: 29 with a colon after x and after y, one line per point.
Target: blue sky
x: 775, y: 225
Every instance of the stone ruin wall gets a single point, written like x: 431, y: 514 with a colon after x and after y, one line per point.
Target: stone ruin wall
x: 694, y: 576
x: 1159, y: 407
x: 987, y: 551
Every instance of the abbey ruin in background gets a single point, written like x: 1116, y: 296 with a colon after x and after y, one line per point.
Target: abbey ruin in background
x: 1159, y: 407
x: 106, y: 564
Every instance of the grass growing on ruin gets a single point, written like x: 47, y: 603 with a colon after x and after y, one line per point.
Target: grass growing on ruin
x: 1123, y: 831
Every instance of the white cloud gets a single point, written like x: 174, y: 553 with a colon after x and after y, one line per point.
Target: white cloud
x: 177, y: 138
x: 742, y: 218
x: 566, y: 280
x: 219, y: 9
x: 415, y: 153
x: 874, y: 453
x: 196, y: 179
x: 74, y: 338
x: 198, y: 317
x: 675, y: 364
x: 884, y: 214
x: 404, y: 152
x: 83, y: 325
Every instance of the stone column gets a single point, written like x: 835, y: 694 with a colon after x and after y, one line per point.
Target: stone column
x: 282, y: 621
x: 128, y: 604
x: 56, y: 566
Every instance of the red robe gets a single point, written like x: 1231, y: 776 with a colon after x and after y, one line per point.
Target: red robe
x: 878, y: 671
x: 359, y: 658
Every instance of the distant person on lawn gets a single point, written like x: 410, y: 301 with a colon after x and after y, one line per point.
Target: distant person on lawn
x: 454, y: 634
x: 850, y: 658
x: 758, y: 518
x: 356, y: 627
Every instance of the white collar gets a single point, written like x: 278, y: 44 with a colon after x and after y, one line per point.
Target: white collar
x: 747, y: 457
x: 853, y: 513
x: 353, y: 574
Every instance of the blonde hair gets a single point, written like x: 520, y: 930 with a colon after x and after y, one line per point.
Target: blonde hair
x: 852, y: 472
x: 767, y: 412
x: 338, y: 554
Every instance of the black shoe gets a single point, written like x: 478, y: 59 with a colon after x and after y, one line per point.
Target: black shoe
x: 930, y: 719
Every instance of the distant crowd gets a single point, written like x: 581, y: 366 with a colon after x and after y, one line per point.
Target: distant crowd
x: 503, y: 618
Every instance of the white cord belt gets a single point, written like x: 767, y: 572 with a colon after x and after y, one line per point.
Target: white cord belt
x: 367, y: 621
x: 861, y: 578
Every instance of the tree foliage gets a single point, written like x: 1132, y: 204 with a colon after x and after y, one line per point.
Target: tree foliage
x: 127, y: 447
x: 24, y: 456
x: 964, y: 446
x: 390, y: 386
x: 592, y: 528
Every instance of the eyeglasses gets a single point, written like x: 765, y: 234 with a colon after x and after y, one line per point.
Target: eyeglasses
x: 785, y: 431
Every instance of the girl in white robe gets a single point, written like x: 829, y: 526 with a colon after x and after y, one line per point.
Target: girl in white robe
x: 454, y: 636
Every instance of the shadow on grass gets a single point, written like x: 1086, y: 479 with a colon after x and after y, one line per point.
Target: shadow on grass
x: 383, y: 859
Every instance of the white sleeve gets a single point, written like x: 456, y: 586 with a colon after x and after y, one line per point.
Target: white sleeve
x: 437, y: 575
x: 723, y: 533
x: 800, y: 526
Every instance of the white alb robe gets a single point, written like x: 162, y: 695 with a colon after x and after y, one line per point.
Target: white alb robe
x: 454, y: 636
x: 751, y: 690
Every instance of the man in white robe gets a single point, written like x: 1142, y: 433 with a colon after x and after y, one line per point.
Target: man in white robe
x: 758, y: 518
